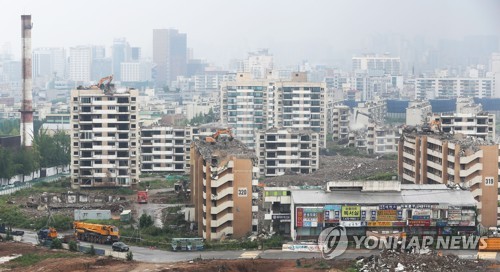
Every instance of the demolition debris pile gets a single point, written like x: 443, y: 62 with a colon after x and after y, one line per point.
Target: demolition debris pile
x: 391, y: 260
x: 337, y: 168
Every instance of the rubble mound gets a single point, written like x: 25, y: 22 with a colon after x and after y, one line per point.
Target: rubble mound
x: 391, y: 260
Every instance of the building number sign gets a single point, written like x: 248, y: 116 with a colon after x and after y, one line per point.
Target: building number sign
x: 489, y: 181
x: 242, y: 192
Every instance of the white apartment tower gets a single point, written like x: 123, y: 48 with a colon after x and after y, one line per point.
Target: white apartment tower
x: 249, y: 105
x: 283, y: 150
x: 80, y: 63
x: 104, y: 138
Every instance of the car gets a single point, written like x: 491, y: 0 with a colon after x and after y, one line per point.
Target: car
x: 119, y: 246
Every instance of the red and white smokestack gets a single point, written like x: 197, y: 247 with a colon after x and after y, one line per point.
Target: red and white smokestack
x: 27, y: 106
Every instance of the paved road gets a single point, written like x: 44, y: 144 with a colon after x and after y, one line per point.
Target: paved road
x: 163, y: 256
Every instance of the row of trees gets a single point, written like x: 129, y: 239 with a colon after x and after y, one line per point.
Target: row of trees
x: 47, y: 151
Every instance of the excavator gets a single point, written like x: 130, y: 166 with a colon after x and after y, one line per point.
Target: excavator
x: 106, y: 88
x: 213, y: 139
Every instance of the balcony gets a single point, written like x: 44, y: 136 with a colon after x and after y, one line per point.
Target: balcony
x: 476, y: 180
x: 221, y: 207
x: 222, y: 220
x: 468, y: 172
x: 104, y: 129
x: 104, y: 121
x: 468, y: 159
x: 477, y: 192
x: 223, y: 232
x: 223, y: 193
x: 435, y: 177
x: 222, y: 180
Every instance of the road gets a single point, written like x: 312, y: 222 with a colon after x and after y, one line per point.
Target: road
x: 163, y: 256
x: 153, y: 209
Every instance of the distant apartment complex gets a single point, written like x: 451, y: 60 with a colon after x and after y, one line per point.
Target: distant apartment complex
x: 454, y: 159
x: 386, y: 64
x: 382, y: 139
x: 249, y: 105
x: 418, y: 113
x: 104, y: 138
x: 431, y: 88
x: 223, y: 175
x: 283, y: 150
x: 478, y: 125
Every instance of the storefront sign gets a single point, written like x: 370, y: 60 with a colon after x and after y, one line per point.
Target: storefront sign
x: 353, y: 223
x: 300, y: 217
x: 441, y: 223
x: 421, y: 214
x: 373, y: 215
x: 454, y: 215
x: 351, y: 213
x: 379, y: 224
x: 467, y: 223
x: 388, y: 207
x: 416, y: 206
x: 386, y: 215
x: 399, y: 224
x: 281, y: 217
x: 419, y: 223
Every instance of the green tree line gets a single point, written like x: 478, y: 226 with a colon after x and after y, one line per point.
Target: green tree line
x: 47, y: 151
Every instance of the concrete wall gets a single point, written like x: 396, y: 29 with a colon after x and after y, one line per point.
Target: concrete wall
x: 489, y: 196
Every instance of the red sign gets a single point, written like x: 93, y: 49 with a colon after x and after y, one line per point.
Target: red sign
x: 419, y: 223
x: 300, y: 217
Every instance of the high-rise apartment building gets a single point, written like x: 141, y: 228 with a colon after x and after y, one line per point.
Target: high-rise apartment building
x: 446, y: 88
x: 49, y: 63
x: 249, y: 105
x: 80, y: 63
x: 169, y: 55
x: 283, y: 150
x: 104, y: 138
x: 376, y: 63
x: 339, y: 122
x: 121, y: 53
x: 223, y: 175
x: 465, y: 162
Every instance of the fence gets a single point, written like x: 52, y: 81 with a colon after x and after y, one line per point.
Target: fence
x: 10, y: 189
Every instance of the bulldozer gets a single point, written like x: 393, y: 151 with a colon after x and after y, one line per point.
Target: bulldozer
x: 213, y: 139
x: 46, y: 234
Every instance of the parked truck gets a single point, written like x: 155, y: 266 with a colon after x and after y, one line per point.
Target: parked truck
x: 142, y: 197
x: 46, y: 235
x: 4, y: 230
x: 96, y: 233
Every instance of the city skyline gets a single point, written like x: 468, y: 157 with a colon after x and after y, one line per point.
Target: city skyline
x: 327, y: 32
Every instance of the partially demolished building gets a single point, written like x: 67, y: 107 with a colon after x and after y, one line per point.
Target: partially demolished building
x: 223, y: 176
x: 456, y: 160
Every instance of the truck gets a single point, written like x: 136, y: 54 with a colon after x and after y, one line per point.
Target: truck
x: 4, y: 230
x: 46, y: 235
x: 142, y: 197
x: 96, y: 233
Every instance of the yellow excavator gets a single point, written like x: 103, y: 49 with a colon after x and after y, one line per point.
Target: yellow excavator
x: 106, y: 88
x: 213, y: 139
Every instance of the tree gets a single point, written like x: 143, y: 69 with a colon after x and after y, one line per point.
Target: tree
x: 26, y: 161
x: 7, y: 170
x: 145, y: 221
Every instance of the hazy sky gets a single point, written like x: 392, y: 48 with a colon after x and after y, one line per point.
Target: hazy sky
x: 219, y: 30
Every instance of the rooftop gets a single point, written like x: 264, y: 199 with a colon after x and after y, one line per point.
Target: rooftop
x: 223, y: 148
x: 412, y: 194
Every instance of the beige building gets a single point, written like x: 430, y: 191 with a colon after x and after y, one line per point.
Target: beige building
x: 104, y: 138
x: 454, y: 160
x: 223, y: 175
x: 339, y: 122
x: 382, y: 139
x: 418, y: 113
x: 282, y: 150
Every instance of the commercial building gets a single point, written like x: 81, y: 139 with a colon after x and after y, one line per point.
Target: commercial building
x: 367, y: 207
x: 249, y: 105
x: 468, y: 162
x: 121, y: 52
x: 104, y: 138
x: 55, y: 122
x: 281, y: 150
x: 223, y: 175
x: 446, y: 88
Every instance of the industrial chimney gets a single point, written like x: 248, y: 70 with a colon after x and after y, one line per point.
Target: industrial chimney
x: 26, y: 107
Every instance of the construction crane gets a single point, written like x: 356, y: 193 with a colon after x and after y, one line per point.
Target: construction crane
x: 215, y: 136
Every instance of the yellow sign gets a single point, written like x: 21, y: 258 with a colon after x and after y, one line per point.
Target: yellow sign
x: 379, y: 224
x: 387, y: 215
x: 351, y: 211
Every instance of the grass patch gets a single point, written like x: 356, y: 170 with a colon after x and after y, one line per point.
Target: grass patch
x: 60, y: 186
x: 33, y: 258
x: 382, y: 176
